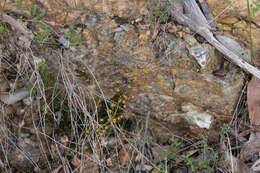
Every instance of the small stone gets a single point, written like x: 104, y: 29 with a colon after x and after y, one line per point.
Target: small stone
x: 200, y: 54
x: 198, y: 117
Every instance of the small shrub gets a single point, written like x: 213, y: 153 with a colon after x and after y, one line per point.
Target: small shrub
x: 197, y: 164
x: 160, y: 14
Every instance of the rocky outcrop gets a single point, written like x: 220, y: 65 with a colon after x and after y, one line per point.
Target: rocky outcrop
x: 161, y: 71
x: 170, y: 77
x: 166, y: 76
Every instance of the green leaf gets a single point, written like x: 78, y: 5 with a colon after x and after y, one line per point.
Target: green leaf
x: 4, y: 28
x: 44, y: 27
x: 150, y: 19
x: 40, y: 36
x: 37, y: 15
x: 157, y: 11
x: 203, y: 164
x: 18, y: 4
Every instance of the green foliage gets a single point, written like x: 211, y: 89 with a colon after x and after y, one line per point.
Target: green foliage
x: 44, y: 35
x: 159, y: 14
x: 71, y: 35
x: 44, y: 32
x: 4, y: 28
x: 45, y: 75
x: 223, y: 131
x: 40, y: 37
x: 150, y: 19
x: 176, y: 145
x: 36, y: 13
x: 18, y: 4
x: 55, y: 101
x: 43, y: 26
x: 189, y: 161
x: 163, y: 167
x: 207, y: 163
x: 30, y: 89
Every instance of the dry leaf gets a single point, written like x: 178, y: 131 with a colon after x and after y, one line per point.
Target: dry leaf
x: 124, y: 156
x: 253, y: 100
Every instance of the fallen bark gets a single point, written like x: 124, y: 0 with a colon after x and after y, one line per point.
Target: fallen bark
x: 188, y: 13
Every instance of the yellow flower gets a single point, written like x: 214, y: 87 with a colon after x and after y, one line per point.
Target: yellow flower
x: 119, y: 118
x: 87, y: 131
x: 117, y: 89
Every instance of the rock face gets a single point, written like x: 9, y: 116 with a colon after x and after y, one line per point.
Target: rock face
x: 235, y: 19
x: 166, y: 75
x: 161, y: 74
